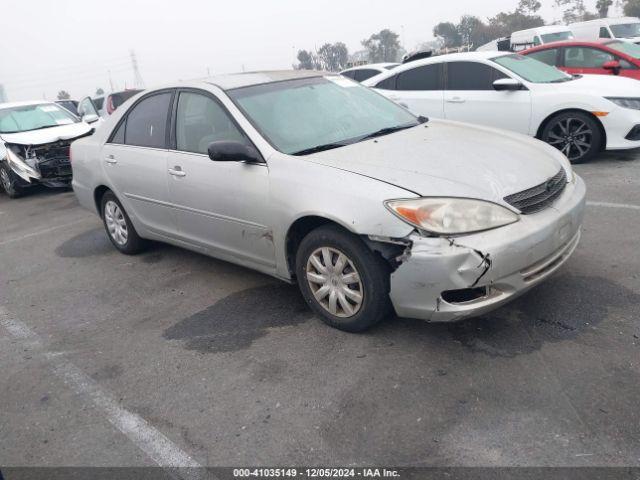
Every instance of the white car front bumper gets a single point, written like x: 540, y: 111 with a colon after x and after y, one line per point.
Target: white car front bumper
x: 618, y: 125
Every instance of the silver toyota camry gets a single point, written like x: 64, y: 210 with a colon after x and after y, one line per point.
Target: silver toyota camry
x: 315, y: 179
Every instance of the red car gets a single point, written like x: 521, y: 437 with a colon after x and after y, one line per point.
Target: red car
x: 601, y: 57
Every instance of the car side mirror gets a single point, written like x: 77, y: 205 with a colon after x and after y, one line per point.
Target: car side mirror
x: 507, y: 85
x: 229, y: 151
x: 90, y: 118
x: 613, y: 65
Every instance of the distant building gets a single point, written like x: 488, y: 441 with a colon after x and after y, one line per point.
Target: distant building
x: 3, y: 94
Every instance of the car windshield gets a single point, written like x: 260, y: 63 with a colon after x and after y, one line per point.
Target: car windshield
x: 626, y: 30
x: 34, y: 117
x: 314, y: 114
x: 556, y: 37
x: 630, y: 49
x: 531, y: 69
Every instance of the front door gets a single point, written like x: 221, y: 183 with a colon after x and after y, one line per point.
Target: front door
x: 470, y: 97
x: 221, y: 206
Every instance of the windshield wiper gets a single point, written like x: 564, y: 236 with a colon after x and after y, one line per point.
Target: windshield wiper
x: 385, y: 131
x: 319, y: 148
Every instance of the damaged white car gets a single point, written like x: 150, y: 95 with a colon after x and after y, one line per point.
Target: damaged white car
x: 315, y: 179
x: 34, y: 145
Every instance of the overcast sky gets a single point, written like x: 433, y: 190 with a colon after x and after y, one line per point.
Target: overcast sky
x: 73, y: 44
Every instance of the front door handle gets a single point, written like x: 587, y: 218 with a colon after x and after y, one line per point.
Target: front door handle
x: 177, y: 172
x: 456, y: 100
x: 111, y: 159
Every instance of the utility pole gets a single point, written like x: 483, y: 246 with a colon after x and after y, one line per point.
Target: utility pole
x: 111, y: 81
x: 137, y: 78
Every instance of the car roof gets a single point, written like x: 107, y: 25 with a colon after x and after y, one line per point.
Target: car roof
x: 376, y: 66
x: 602, y: 42
x: 23, y: 104
x: 248, y: 79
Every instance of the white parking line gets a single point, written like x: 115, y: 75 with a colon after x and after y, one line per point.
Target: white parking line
x: 614, y: 205
x: 157, y: 446
x: 40, y: 232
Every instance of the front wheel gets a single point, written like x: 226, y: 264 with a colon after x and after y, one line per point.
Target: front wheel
x: 9, y: 183
x: 575, y: 134
x: 342, y: 280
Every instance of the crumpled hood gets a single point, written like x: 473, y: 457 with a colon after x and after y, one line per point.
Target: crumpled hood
x: 444, y: 158
x: 47, y: 135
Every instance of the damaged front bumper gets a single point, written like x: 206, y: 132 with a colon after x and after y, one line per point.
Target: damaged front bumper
x: 446, y: 279
x: 47, y: 165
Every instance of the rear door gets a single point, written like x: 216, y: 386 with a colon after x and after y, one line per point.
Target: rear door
x: 470, y: 97
x: 135, y: 162
x: 419, y: 89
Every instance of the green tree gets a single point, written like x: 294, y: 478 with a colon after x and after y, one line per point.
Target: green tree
x: 528, y: 7
x: 63, y: 95
x: 99, y: 91
x: 333, y: 56
x: 631, y: 8
x: 383, y: 46
x: 575, y: 11
x: 307, y: 60
x: 505, y: 23
x: 449, y: 34
x: 473, y: 32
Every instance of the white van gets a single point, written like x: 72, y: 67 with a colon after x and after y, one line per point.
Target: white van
x: 538, y: 36
x: 532, y: 37
x: 627, y: 28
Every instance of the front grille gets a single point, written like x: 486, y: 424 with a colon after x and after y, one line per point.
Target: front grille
x: 539, y: 197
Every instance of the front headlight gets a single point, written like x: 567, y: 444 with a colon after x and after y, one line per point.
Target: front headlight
x: 626, y: 102
x: 451, y: 216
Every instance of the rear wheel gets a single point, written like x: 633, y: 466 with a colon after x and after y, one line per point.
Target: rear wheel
x: 119, y: 228
x: 342, y: 280
x: 575, y: 134
x: 9, y: 183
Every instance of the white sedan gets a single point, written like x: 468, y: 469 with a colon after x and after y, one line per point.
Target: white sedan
x: 579, y: 115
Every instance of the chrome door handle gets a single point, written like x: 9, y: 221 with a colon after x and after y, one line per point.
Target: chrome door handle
x: 111, y: 159
x: 456, y: 100
x: 177, y: 172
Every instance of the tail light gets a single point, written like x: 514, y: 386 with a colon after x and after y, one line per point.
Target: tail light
x: 110, y: 106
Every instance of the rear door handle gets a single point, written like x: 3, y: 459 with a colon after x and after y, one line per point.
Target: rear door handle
x: 456, y: 100
x: 177, y: 172
x: 111, y: 159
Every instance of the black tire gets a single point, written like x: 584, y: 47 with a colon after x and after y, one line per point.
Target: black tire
x: 133, y: 243
x: 576, y: 134
x: 373, y: 277
x: 9, y: 182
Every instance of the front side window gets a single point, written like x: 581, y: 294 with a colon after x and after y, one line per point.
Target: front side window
x: 146, y: 123
x: 34, y: 117
x: 531, y: 69
x: 427, y: 77
x: 584, y: 57
x: 471, y: 76
x: 545, y: 56
x: 200, y: 121
x: 319, y: 113
x: 604, y: 32
x: 626, y: 30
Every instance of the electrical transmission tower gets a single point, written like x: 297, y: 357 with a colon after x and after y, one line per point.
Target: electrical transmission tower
x: 137, y: 78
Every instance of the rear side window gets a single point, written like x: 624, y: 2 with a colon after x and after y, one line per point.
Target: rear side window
x: 387, y: 83
x: 549, y: 56
x: 427, y: 77
x: 471, y: 76
x: 146, y: 124
x: 365, y: 74
x: 604, y: 32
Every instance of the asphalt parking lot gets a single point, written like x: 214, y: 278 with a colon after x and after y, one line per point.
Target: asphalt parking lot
x: 171, y: 357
